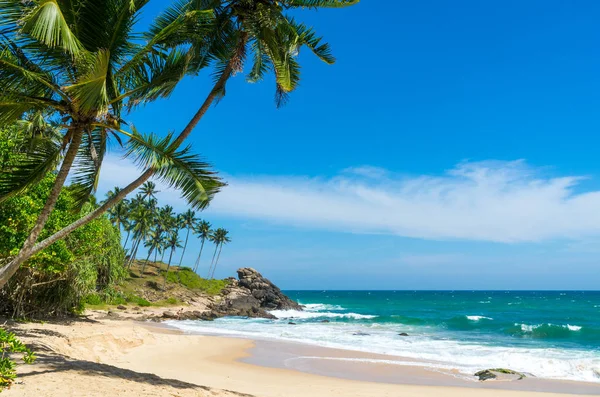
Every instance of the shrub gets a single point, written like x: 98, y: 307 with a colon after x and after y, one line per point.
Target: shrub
x: 9, y: 344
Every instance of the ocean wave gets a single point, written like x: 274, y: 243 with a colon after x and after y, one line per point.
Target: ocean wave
x: 478, y: 318
x: 548, y: 330
x: 485, y: 302
x: 467, y: 358
x: 292, y: 314
x: 316, y: 307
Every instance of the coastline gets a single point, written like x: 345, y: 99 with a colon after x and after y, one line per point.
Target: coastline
x: 109, y: 357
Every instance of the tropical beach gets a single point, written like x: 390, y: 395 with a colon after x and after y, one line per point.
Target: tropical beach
x: 115, y: 357
x: 269, y: 198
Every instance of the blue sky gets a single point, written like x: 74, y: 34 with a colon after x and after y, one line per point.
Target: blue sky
x: 452, y: 146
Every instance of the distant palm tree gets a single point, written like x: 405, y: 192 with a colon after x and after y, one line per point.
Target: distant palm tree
x: 148, y: 190
x: 202, y: 229
x: 143, y: 216
x: 173, y: 243
x: 154, y: 244
x: 219, y: 237
x: 187, y: 221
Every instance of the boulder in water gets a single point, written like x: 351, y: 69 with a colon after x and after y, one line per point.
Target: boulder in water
x: 403, y: 334
x: 499, y: 374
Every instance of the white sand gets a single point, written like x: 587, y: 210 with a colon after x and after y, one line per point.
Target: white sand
x: 124, y: 358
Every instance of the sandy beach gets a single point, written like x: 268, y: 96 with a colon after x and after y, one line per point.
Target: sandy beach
x: 102, y: 357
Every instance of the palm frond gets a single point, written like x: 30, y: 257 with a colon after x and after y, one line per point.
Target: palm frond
x: 87, y: 165
x: 90, y: 94
x: 308, y: 37
x: 43, y: 156
x: 177, y: 168
x: 320, y: 3
x: 46, y: 23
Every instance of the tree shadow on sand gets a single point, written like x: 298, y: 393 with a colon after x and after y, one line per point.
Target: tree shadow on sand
x: 53, y: 363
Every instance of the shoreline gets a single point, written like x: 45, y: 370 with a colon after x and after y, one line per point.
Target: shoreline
x: 356, y: 365
x: 127, y: 358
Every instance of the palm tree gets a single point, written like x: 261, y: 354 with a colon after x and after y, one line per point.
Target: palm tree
x: 143, y: 218
x: 208, y: 31
x: 154, y: 244
x: 187, y: 221
x: 80, y: 63
x: 148, y: 191
x: 173, y: 244
x: 202, y: 229
x: 220, y: 238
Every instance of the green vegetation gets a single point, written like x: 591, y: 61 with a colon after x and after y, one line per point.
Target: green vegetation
x: 70, y: 74
x: 54, y: 281
x: 10, y: 344
x: 191, y: 280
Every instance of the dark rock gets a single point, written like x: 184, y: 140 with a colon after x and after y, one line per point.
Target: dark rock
x: 291, y: 323
x: 485, y: 375
x: 136, y: 308
x: 168, y: 314
x: 325, y: 321
x: 121, y: 307
x: 251, y: 296
x: 403, y: 334
x: 112, y: 314
x: 361, y: 334
x: 499, y: 374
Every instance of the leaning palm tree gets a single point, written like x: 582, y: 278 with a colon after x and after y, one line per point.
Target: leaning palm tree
x: 81, y: 64
x: 222, y: 33
x: 173, y: 243
x: 188, y: 220
x: 203, y: 230
x: 220, y: 237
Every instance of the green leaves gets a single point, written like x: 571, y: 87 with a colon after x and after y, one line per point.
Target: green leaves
x: 320, y: 3
x: 89, y: 93
x: 47, y: 24
x: 42, y: 156
x: 177, y: 168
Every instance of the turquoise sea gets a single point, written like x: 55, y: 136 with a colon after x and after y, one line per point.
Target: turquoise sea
x: 547, y: 334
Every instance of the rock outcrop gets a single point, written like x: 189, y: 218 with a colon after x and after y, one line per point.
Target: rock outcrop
x: 251, y: 296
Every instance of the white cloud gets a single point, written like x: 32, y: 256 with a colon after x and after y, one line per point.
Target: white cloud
x: 486, y: 201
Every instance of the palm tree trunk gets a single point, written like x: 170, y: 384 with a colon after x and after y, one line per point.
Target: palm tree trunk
x: 199, y: 255
x: 27, y: 250
x: 145, y: 263
x: 168, y: 267
x: 217, y: 261
x: 7, y: 271
x: 127, y: 239
x: 134, y: 253
x: 162, y: 257
x: 184, y: 247
x: 213, y: 261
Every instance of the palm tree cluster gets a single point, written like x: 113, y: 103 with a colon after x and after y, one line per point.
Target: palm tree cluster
x: 83, y: 66
x: 158, y: 229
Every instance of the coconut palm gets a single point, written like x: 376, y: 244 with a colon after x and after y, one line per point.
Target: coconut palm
x: 78, y: 63
x: 187, y: 221
x: 173, y: 243
x: 143, y: 220
x: 203, y: 231
x: 148, y: 191
x: 154, y: 244
x: 219, y: 237
x: 201, y: 32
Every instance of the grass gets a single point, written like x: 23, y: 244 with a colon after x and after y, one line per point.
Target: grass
x: 178, y: 280
x: 187, y: 278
